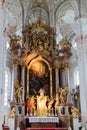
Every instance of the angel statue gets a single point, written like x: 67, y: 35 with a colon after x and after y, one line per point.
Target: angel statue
x: 18, y: 92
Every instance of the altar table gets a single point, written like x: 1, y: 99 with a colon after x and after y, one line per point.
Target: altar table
x: 43, y: 119
x: 42, y: 122
x: 45, y: 129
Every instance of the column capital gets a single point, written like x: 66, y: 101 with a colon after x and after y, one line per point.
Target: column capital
x: 56, y: 67
x: 65, y: 66
x: 23, y: 66
x: 15, y: 64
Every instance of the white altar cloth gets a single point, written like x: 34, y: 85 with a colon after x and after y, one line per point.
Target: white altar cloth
x: 44, y: 119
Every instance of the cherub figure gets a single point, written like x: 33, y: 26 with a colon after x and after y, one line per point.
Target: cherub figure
x: 50, y: 103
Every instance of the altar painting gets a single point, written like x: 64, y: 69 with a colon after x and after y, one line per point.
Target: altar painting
x: 39, y: 78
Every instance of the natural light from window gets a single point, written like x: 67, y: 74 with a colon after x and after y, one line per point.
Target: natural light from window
x: 7, y: 87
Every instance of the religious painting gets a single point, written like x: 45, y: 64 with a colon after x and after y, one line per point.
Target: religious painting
x: 39, y: 77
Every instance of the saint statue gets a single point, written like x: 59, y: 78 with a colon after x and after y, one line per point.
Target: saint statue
x: 75, y: 112
x: 18, y: 92
x: 41, y: 104
x: 12, y: 112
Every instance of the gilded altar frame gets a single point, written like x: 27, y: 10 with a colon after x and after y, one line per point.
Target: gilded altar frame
x: 39, y: 58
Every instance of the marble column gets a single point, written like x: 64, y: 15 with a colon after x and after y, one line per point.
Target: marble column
x: 57, y: 83
x: 57, y: 67
x: 82, y: 62
x: 14, y: 78
x: 60, y: 77
x: 23, y: 81
x: 66, y: 70
x: 69, y: 99
x: 51, y: 89
x: 2, y: 63
x: 23, y: 85
x: 57, y: 79
x: 27, y: 81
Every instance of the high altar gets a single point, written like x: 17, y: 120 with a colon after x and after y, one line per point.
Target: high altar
x: 40, y: 64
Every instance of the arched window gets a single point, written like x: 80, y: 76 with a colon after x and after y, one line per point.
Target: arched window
x: 7, y: 90
x: 76, y: 77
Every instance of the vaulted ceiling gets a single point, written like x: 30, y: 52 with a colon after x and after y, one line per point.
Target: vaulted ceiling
x: 61, y: 14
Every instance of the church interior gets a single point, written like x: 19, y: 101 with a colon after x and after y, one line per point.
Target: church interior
x: 43, y: 52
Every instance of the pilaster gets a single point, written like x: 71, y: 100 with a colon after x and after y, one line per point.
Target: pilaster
x: 2, y: 66
x: 82, y: 62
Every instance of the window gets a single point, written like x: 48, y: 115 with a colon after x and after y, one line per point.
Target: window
x: 7, y: 45
x: 76, y: 77
x: 7, y: 90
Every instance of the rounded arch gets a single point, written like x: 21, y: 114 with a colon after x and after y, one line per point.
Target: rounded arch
x: 40, y: 58
x: 33, y: 55
x: 36, y: 13
x: 60, y: 11
x: 39, y: 69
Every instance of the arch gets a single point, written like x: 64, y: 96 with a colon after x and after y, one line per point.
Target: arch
x: 40, y: 59
x: 41, y: 69
x: 36, y: 11
x: 60, y: 12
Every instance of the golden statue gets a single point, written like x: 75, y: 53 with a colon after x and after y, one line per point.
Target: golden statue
x: 12, y: 112
x: 32, y: 102
x: 63, y: 95
x: 18, y: 92
x: 50, y: 103
x: 75, y: 112
x: 41, y: 104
